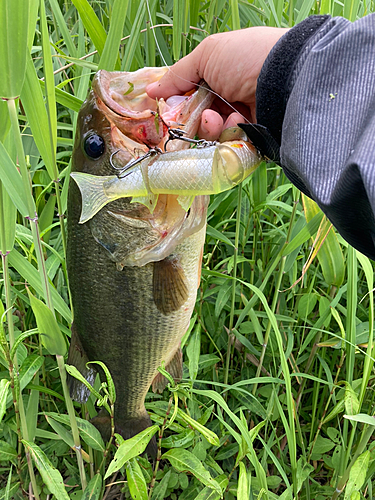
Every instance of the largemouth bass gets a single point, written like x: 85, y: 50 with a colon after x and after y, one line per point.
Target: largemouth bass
x: 133, y: 275
x: 134, y: 267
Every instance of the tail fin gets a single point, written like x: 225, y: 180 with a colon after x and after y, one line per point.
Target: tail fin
x: 126, y: 428
x: 129, y: 428
x: 93, y: 196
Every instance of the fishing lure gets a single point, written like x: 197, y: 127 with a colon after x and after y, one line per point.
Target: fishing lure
x: 209, y: 169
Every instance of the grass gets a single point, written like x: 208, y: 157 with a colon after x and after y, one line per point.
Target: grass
x: 277, y: 395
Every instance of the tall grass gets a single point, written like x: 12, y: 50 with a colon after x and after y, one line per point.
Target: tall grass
x: 277, y: 399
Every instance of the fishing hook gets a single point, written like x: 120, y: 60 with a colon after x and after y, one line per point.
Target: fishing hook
x: 177, y: 133
x: 133, y: 163
x: 111, y: 162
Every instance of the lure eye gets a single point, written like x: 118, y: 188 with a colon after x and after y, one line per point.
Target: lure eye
x: 94, y: 146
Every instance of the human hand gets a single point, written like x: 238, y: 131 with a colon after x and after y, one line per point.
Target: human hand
x: 230, y: 63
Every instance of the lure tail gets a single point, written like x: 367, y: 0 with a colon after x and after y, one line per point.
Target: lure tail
x: 93, y: 195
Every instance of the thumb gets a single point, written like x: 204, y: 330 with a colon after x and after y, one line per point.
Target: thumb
x: 180, y: 78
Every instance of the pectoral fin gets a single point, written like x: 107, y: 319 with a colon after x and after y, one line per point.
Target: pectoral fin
x: 174, y: 367
x: 170, y: 288
x: 78, y: 358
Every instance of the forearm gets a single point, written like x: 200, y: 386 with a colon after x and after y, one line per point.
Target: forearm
x: 316, y: 97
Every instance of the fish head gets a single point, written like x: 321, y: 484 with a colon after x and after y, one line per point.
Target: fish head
x: 119, y: 123
x: 119, y: 117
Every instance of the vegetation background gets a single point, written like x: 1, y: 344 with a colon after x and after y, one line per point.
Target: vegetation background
x: 277, y: 400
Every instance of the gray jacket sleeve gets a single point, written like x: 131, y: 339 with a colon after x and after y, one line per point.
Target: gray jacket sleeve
x: 316, y: 105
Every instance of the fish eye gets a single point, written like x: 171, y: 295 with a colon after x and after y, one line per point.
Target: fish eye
x: 94, y: 146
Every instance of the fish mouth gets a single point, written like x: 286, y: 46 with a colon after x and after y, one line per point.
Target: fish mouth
x: 137, y: 124
x: 123, y: 99
x: 124, y: 93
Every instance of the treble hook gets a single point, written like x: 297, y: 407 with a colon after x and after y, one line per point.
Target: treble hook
x: 132, y: 163
x: 111, y: 162
x: 177, y: 133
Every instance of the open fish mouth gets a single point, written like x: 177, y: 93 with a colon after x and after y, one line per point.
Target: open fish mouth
x: 138, y: 124
x: 123, y: 99
x: 125, y: 94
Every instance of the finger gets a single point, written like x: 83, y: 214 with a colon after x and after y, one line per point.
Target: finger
x: 236, y: 107
x: 232, y: 120
x: 180, y: 78
x: 211, y: 125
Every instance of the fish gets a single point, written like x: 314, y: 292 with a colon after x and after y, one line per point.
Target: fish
x: 134, y: 266
x: 206, y: 170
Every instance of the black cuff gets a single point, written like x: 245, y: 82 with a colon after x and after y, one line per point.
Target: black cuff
x: 273, y: 87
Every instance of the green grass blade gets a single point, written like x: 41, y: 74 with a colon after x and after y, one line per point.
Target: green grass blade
x: 67, y: 100
x: 351, y: 9
x: 61, y: 23
x: 306, y: 7
x: 135, y: 33
x: 193, y: 352
x: 50, y: 86
x: 30, y: 366
x: 12, y: 181
x: 4, y: 120
x: 32, y: 276
x: 92, y: 24
x: 51, y: 336
x: 32, y: 100
x: 150, y: 45
x: 351, y: 314
x: 14, y: 23
x: 369, y: 358
x: 326, y: 7
x: 178, y: 8
x: 4, y: 389
x: 33, y: 16
x: 110, y: 59
x: 243, y: 485
x: 329, y: 254
x: 236, y: 25
x: 7, y: 221
x: 51, y: 476
x: 210, y: 15
x: 32, y: 411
